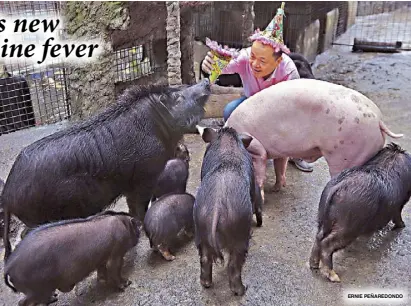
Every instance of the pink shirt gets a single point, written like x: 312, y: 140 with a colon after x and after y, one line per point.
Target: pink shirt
x: 285, y: 71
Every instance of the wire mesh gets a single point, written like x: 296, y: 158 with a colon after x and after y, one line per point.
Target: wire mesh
x: 379, y: 21
x: 30, y: 94
x: 223, y: 21
x: 135, y: 62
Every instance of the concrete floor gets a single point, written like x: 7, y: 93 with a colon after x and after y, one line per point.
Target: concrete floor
x: 275, y: 271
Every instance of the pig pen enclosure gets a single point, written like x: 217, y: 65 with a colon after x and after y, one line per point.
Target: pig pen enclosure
x: 35, y: 95
x: 156, y: 43
x: 31, y: 95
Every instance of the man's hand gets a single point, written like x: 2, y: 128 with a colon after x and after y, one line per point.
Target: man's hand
x: 207, y: 62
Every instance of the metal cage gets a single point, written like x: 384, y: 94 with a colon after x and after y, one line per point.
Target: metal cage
x: 30, y: 94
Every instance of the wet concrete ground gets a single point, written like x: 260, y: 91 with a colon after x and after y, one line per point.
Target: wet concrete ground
x: 275, y: 271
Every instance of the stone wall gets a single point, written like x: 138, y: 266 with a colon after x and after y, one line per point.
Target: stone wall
x: 187, y: 45
x: 147, y: 26
x: 121, y: 25
x: 173, y: 43
x: 91, y: 86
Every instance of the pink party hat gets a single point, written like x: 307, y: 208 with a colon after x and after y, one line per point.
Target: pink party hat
x: 273, y: 34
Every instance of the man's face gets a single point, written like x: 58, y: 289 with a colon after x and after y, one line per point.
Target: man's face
x: 262, y: 60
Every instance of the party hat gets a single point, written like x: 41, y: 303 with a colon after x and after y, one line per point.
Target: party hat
x: 221, y: 57
x: 273, y: 33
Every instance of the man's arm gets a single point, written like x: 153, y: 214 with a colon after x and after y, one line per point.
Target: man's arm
x: 236, y: 65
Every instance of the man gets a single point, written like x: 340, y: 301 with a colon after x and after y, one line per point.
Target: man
x: 262, y: 65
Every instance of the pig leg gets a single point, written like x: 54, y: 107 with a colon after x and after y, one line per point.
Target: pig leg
x: 257, y: 203
x: 206, y: 267
x: 34, y: 298
x: 114, y: 266
x: 102, y: 273
x: 330, y: 244
x: 259, y: 217
x: 280, y: 167
x: 28, y: 301
x: 316, y: 252
x: 397, y: 219
x: 138, y: 203
x: 165, y: 252
x: 259, y: 155
x: 235, y: 266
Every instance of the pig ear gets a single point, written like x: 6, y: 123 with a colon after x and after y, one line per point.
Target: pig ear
x: 200, y: 129
x: 246, y: 139
x: 208, y: 134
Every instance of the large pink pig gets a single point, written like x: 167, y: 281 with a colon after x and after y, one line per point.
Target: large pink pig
x: 306, y: 118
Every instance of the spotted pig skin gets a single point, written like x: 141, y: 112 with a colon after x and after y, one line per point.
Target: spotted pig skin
x: 307, y: 118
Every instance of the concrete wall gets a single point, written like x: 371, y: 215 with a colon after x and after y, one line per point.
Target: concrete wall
x: 352, y: 13
x: 122, y: 25
x: 91, y: 86
x: 310, y: 28
x: 331, y: 22
x: 147, y: 27
x: 307, y: 42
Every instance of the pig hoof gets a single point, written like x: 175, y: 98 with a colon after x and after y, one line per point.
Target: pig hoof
x: 399, y: 225
x: 259, y: 218
x: 239, y: 291
x: 22, y: 302
x: 205, y: 283
x: 124, y: 284
x: 314, y: 264
x: 52, y: 299
x: 168, y: 256
x: 332, y: 276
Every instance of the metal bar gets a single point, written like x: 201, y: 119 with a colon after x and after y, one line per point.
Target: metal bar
x: 67, y: 98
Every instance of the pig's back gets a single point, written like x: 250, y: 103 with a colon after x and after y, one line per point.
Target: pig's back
x: 304, y: 113
x: 303, y: 97
x: 171, y: 207
x: 69, y: 251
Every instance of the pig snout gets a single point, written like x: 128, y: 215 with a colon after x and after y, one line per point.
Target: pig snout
x: 203, y: 88
x: 360, y: 201
x: 206, y: 84
x: 190, y: 109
